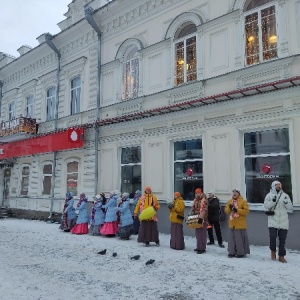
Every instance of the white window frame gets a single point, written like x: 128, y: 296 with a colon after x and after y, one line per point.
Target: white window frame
x: 11, y: 111
x: 128, y: 89
x: 29, y: 106
x: 46, y: 163
x: 75, y: 102
x: 50, y: 104
x: 22, y: 176
x: 70, y: 160
x: 258, y: 10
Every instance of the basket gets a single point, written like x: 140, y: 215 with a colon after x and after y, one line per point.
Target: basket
x: 192, y: 222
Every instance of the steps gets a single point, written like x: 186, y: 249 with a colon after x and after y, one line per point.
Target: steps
x: 4, y: 213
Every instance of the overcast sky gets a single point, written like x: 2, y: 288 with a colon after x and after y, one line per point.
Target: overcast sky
x: 22, y: 21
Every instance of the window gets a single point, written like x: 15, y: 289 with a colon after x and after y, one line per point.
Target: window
x: 72, y: 177
x: 29, y: 107
x: 51, y: 104
x: 47, y: 177
x: 188, y: 167
x: 185, y: 54
x: 260, y: 32
x: 131, y: 169
x: 267, y: 158
x: 131, y: 74
x: 11, y: 111
x: 25, y: 181
x: 75, y: 95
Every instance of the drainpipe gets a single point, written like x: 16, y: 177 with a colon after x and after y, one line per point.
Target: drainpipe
x: 89, y: 17
x: 50, y: 43
x: 1, y: 87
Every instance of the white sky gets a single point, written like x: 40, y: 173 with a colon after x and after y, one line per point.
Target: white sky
x: 22, y: 21
x: 38, y: 261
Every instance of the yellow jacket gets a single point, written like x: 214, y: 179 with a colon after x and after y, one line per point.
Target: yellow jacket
x: 145, y: 201
x: 242, y: 210
x: 178, y: 209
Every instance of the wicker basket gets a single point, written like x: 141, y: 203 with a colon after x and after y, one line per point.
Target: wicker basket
x: 192, y: 222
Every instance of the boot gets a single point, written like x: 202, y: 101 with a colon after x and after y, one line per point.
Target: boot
x: 282, y: 259
x: 273, y: 255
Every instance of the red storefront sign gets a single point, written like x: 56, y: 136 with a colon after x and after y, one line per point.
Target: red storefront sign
x: 69, y: 139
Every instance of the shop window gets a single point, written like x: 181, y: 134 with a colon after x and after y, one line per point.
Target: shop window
x: 131, y: 74
x: 131, y: 169
x: 51, y: 103
x: 188, y: 167
x: 11, y: 111
x: 72, y: 177
x: 47, y: 177
x: 267, y: 158
x: 260, y: 31
x: 75, y: 95
x: 25, y: 181
x: 29, y: 107
x: 185, y: 54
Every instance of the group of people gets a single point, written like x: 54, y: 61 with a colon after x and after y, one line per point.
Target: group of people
x: 120, y: 216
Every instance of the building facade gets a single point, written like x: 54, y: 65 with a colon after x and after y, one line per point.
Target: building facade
x: 174, y: 94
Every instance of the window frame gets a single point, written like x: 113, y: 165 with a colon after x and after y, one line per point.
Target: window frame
x: 29, y: 106
x: 23, y: 176
x: 136, y: 77
x: 75, y: 109
x: 45, y: 163
x: 71, y: 160
x: 51, y: 99
x: 259, y: 10
x: 11, y: 112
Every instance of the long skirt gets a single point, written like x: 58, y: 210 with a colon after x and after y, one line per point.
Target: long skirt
x: 201, y: 237
x: 238, y: 243
x: 94, y: 229
x: 71, y: 224
x: 177, y: 239
x: 109, y: 228
x: 148, y: 232
x: 80, y: 229
x: 125, y: 232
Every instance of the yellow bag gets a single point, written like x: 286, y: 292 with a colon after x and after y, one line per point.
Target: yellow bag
x: 147, y: 213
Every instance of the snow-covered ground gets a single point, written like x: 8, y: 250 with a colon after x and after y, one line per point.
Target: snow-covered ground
x: 38, y: 261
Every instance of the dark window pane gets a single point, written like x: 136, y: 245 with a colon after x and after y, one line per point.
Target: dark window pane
x: 191, y: 149
x: 47, y: 185
x: 131, y: 155
x: 47, y: 169
x: 265, y: 142
x: 130, y: 178
x: 72, y: 167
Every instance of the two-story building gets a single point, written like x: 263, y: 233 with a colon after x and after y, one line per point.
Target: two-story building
x: 175, y: 94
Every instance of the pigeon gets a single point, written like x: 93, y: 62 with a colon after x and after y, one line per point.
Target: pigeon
x: 114, y: 254
x: 136, y: 257
x: 102, y: 252
x: 150, y: 262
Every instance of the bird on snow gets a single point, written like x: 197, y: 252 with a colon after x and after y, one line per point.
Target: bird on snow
x: 102, y: 252
x: 150, y: 262
x: 114, y: 254
x: 136, y: 257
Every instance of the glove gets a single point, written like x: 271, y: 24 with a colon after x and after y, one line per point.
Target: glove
x: 170, y: 205
x: 274, y: 199
x: 234, y: 210
x: 200, y: 221
x: 231, y: 206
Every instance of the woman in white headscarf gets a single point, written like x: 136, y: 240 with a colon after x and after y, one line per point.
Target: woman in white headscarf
x: 278, y: 203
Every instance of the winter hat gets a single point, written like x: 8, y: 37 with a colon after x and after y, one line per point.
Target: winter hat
x: 198, y: 191
x: 125, y: 195
x: 210, y: 192
x: 177, y: 194
x: 148, y: 188
x: 98, y: 197
x: 70, y: 195
x: 236, y: 191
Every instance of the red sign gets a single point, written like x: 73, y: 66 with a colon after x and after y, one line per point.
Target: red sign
x: 266, y: 168
x: 69, y: 139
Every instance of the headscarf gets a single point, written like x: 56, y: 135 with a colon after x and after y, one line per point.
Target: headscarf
x: 99, y: 199
x: 273, y: 189
x: 82, y: 198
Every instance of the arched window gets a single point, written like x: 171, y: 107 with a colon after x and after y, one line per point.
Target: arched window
x: 75, y: 95
x: 51, y: 103
x: 185, y: 53
x: 130, y: 73
x: 260, y: 31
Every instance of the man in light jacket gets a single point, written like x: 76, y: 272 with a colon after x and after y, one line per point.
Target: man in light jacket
x: 278, y: 202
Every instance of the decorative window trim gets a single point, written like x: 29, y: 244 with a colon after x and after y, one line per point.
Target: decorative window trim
x: 126, y: 45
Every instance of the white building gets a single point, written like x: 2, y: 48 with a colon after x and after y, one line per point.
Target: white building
x: 189, y: 93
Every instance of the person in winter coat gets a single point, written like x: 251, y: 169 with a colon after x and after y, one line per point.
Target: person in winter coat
x: 97, y: 216
x: 68, y: 217
x: 110, y: 226
x: 214, y: 219
x: 199, y: 207
x: 133, y: 203
x: 279, y: 202
x: 176, y: 209
x: 82, y: 223
x: 148, y: 229
x: 125, y: 228
x: 237, y: 208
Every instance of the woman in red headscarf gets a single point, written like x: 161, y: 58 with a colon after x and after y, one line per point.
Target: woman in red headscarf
x: 176, y: 217
x: 148, y: 228
x: 200, y: 207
